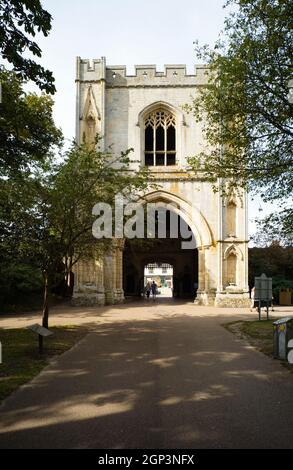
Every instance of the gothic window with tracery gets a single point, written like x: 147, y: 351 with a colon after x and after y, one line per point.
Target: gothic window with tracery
x: 160, y: 139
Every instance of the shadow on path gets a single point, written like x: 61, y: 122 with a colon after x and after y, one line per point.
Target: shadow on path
x: 178, y: 382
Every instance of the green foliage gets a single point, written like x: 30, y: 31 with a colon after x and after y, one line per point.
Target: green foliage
x: 29, y: 139
x: 20, y: 278
x: 87, y: 176
x: 275, y: 261
x: 275, y: 226
x: 48, y: 218
x: 276, y: 257
x: 19, y: 23
x: 246, y: 115
x: 21, y: 285
x: 28, y: 134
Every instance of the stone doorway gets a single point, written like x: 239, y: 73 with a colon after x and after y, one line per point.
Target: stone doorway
x: 161, y: 252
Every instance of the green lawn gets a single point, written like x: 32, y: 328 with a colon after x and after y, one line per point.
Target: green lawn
x: 20, y: 357
x: 257, y: 333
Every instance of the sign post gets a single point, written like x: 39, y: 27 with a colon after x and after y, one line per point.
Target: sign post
x: 42, y: 332
x: 263, y: 293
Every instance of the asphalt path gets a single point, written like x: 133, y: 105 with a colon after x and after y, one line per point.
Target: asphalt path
x: 154, y: 375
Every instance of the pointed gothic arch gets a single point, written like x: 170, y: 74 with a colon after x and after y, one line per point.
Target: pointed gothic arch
x: 164, y: 105
x: 233, y: 249
x: 233, y: 256
x: 165, y: 124
x: 189, y: 213
x: 90, y: 117
x: 90, y: 108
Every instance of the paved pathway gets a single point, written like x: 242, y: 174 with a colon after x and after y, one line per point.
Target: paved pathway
x: 153, y: 375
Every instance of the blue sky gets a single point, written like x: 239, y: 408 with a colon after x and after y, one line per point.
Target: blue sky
x: 125, y: 32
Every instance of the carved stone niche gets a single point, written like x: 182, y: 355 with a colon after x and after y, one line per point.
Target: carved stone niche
x: 90, y: 118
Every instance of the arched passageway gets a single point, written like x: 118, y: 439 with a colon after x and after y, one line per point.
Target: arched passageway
x: 160, y: 251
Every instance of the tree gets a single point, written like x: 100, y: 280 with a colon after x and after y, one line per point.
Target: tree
x: 19, y: 22
x: 275, y: 261
x: 277, y: 226
x: 28, y: 134
x: 54, y: 222
x: 87, y: 176
x: 273, y: 253
x: 29, y: 141
x: 245, y: 111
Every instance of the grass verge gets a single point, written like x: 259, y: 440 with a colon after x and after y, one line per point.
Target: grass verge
x: 258, y: 334
x: 21, y: 360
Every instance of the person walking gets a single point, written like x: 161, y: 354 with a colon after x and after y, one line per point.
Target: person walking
x: 154, y: 288
x: 148, y: 289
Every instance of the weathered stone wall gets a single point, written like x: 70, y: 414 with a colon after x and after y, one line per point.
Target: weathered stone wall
x: 116, y: 103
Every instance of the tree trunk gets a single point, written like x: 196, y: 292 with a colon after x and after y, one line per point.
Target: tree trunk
x: 66, y: 290
x: 69, y: 266
x: 65, y: 293
x: 70, y: 276
x: 40, y: 344
x: 46, y: 301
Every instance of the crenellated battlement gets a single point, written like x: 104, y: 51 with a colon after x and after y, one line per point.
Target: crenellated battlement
x: 144, y: 76
x: 90, y: 70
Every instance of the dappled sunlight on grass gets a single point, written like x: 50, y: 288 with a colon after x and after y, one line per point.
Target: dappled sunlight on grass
x: 21, y: 359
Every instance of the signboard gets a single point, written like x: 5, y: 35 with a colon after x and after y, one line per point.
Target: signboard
x: 263, y: 288
x: 40, y: 330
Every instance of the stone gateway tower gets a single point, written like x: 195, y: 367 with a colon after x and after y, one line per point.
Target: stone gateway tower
x: 145, y: 112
